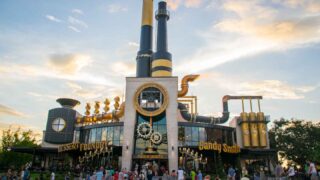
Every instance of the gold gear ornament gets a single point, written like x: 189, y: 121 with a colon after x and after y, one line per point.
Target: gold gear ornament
x: 156, y: 138
x: 144, y: 130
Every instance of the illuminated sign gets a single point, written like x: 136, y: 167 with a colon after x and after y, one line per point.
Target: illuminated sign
x: 150, y: 156
x: 219, y: 147
x: 83, y: 147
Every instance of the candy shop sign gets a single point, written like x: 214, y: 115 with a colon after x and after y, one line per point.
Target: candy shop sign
x: 219, y: 147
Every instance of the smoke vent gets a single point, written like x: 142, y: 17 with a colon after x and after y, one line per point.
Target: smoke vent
x: 68, y: 103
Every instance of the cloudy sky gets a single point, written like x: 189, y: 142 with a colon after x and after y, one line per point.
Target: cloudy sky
x: 84, y: 50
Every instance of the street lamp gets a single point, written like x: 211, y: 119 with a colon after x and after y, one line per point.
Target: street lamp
x: 188, y: 153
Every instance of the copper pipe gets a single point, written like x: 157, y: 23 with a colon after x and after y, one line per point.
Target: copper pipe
x: 185, y: 84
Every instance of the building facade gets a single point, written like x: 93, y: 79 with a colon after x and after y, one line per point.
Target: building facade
x: 156, y: 123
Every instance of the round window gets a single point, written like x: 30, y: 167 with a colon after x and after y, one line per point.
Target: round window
x: 58, y: 124
x: 151, y: 99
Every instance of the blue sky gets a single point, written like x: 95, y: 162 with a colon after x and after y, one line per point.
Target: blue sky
x: 84, y: 50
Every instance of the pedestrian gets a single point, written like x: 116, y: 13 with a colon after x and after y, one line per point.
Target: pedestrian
x: 22, y: 172
x: 94, y: 176
x: 278, y: 171
x: 149, y: 173
x: 67, y: 176
x: 53, y: 176
x: 173, y: 175
x: 116, y: 175
x: 165, y: 175
x: 244, y: 171
x: 26, y: 174
x: 99, y: 174
x: 312, y: 171
x: 291, y: 172
x: 231, y: 173
x: 9, y: 174
x: 193, y: 175
x: 199, y: 176
x: 180, y: 174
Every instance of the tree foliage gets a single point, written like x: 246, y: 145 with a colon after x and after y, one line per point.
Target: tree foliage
x: 296, y: 140
x: 15, y: 138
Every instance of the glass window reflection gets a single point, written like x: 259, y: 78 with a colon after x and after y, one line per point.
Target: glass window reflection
x: 93, y: 135
x: 191, y: 136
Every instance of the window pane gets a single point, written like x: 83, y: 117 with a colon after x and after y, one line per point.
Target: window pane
x: 104, y: 134
x: 110, y: 134
x: 77, y: 136
x: 187, y: 132
x: 87, y: 138
x: 195, y: 134
x: 98, y: 137
x: 92, y: 135
x: 116, y: 133
x: 202, y: 135
x: 181, y: 136
x: 121, y: 134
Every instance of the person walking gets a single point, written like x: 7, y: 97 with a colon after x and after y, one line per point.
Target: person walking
x: 193, y: 175
x: 99, y: 174
x: 312, y: 171
x: 199, y: 176
x: 26, y: 174
x: 291, y: 172
x: 53, y: 176
x: 165, y: 175
x: 173, y: 175
x: 231, y: 173
x: 180, y: 174
x: 278, y: 171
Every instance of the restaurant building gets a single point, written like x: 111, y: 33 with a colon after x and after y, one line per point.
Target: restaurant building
x: 156, y: 123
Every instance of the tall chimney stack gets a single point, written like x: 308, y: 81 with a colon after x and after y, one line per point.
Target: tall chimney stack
x: 145, y: 53
x: 161, y: 63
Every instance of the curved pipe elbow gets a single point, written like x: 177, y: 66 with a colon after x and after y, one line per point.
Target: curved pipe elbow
x: 185, y: 84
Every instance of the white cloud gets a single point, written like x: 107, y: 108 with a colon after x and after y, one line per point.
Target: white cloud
x: 68, y: 63
x: 91, y: 93
x: 77, y: 22
x: 8, y: 111
x: 77, y: 11
x: 311, y: 6
x: 175, y: 4
x: 124, y: 69
x: 115, y: 8
x: 74, y: 29
x: 72, y: 70
x: 53, y: 18
x: 133, y: 44
x: 42, y: 96
x: 269, y: 89
x: 274, y: 89
x: 248, y: 28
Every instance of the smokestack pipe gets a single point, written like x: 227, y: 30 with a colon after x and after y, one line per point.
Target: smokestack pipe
x: 212, y: 120
x: 161, y: 63
x: 144, y: 56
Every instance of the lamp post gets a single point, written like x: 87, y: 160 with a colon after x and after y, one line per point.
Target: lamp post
x: 187, y: 153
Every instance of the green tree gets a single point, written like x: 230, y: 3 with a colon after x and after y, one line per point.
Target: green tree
x: 296, y: 140
x: 17, y: 138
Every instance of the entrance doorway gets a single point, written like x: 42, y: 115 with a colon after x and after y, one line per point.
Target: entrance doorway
x: 157, y: 166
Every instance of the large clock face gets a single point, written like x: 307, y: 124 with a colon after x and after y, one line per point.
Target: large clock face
x: 58, y: 124
x: 151, y: 99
